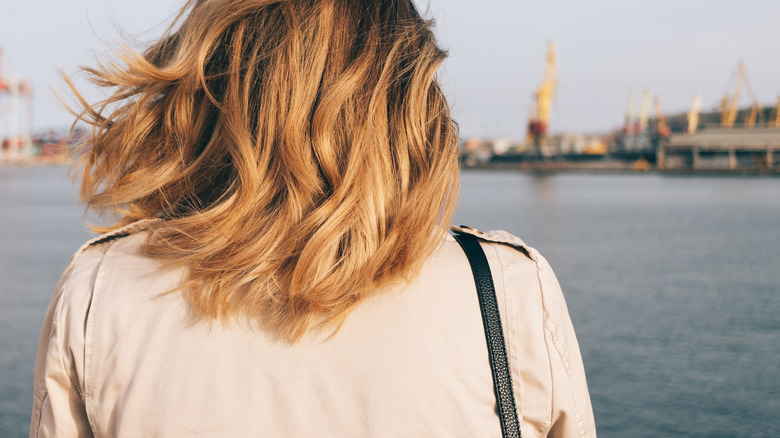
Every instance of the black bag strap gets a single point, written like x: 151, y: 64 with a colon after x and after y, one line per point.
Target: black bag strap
x: 491, y: 319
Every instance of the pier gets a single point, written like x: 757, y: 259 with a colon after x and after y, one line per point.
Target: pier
x: 720, y: 148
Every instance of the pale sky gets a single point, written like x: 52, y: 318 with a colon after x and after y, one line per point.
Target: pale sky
x: 606, y: 48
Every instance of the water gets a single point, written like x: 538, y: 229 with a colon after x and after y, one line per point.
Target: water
x: 672, y: 283
x: 40, y: 227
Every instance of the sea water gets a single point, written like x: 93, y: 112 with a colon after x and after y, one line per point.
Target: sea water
x: 672, y: 283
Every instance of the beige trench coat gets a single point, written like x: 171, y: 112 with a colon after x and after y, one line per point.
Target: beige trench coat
x: 118, y: 359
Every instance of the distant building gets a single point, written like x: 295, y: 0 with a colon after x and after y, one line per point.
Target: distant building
x: 721, y: 148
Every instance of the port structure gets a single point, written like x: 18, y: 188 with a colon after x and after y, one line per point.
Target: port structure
x: 15, y: 116
x: 731, y: 148
x: 728, y: 145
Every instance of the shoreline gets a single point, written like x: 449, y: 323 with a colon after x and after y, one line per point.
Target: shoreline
x: 607, y: 168
x: 539, y: 168
x: 52, y: 161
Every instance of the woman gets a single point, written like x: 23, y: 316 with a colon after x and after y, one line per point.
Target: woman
x: 283, y: 174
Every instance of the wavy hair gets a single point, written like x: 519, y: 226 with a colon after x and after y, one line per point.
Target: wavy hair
x: 301, y: 154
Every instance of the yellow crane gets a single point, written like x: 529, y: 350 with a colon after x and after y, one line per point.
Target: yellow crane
x: 693, y: 115
x: 644, y: 111
x: 774, y: 119
x: 756, y: 112
x: 540, y: 115
x: 730, y: 102
x: 662, y: 127
x: 728, y: 112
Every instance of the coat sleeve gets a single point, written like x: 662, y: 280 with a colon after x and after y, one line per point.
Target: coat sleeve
x: 572, y: 414
x: 58, y: 407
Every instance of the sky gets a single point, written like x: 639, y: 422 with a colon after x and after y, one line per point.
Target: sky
x: 606, y: 49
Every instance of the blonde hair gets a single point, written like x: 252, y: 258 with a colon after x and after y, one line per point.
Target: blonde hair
x: 301, y: 154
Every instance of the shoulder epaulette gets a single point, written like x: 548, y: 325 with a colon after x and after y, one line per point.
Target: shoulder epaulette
x: 118, y: 233
x: 498, y: 236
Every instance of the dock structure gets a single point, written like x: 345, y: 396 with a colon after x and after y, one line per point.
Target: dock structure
x: 721, y: 149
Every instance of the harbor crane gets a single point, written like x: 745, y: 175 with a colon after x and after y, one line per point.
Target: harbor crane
x: 644, y: 113
x: 774, y: 119
x: 540, y: 114
x: 15, y: 116
x: 730, y: 102
x: 661, y: 126
x: 693, y: 115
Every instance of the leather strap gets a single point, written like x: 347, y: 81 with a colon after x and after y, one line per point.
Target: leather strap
x: 491, y: 319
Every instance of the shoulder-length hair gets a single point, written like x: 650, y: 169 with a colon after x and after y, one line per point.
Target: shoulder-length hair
x: 301, y: 154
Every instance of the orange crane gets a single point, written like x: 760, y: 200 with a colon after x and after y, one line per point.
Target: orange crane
x: 540, y: 115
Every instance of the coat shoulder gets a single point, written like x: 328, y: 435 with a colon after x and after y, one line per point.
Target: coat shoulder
x: 500, y: 237
x: 127, y: 230
x: 81, y: 273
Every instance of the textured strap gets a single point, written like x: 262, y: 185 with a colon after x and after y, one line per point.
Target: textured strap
x: 491, y: 319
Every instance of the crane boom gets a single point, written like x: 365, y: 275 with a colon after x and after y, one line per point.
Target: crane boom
x: 544, y: 95
x: 540, y: 117
x: 730, y: 103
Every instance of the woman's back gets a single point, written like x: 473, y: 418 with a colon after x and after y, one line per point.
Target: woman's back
x: 283, y: 174
x: 411, y: 361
